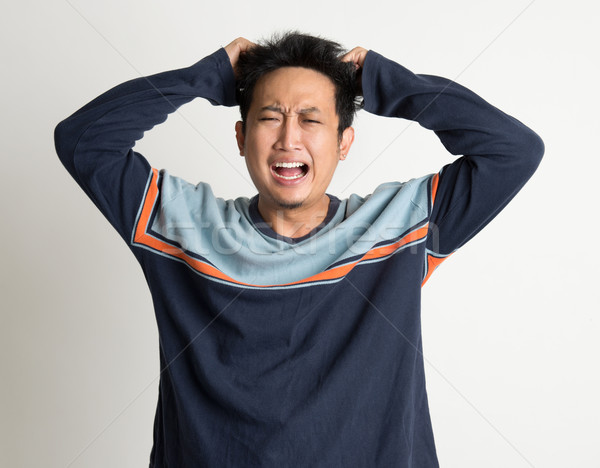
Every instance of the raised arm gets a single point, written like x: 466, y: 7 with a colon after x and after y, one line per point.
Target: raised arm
x: 95, y: 143
x: 499, y: 153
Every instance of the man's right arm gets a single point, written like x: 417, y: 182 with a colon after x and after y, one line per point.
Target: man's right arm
x: 95, y: 143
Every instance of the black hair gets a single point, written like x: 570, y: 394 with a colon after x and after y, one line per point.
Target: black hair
x: 293, y: 49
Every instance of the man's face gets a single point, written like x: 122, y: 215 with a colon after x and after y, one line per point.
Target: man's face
x: 291, y: 142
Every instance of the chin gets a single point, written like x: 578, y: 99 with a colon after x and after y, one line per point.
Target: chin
x: 287, y: 201
x: 289, y: 205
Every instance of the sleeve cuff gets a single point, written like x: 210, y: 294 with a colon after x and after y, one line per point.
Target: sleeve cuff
x: 227, y: 77
x: 368, y: 81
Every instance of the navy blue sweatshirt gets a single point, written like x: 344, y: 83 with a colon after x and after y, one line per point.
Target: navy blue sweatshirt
x: 294, y: 353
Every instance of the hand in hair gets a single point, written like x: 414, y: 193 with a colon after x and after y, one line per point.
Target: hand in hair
x: 356, y: 56
x: 235, y: 48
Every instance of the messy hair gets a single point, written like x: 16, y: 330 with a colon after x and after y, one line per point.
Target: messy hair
x: 293, y: 49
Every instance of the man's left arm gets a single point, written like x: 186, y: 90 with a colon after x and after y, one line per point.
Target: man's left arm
x: 499, y: 153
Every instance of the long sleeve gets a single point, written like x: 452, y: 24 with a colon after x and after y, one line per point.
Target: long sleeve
x: 95, y: 143
x: 499, y: 153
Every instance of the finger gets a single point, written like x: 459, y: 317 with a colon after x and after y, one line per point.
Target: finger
x: 349, y: 57
x: 356, y: 56
x: 236, y: 47
x: 244, y: 44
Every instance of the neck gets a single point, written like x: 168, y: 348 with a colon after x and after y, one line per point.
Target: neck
x: 294, y: 222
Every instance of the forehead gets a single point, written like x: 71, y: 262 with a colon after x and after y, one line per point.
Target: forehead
x: 294, y: 87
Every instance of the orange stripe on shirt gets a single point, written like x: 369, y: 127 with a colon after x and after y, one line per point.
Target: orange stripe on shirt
x: 142, y: 237
x: 434, y: 186
x: 375, y: 253
x: 432, y: 264
x: 149, y: 200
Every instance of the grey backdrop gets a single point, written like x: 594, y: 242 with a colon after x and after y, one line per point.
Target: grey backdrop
x: 510, y: 322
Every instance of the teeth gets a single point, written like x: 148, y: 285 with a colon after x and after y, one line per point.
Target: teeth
x: 290, y: 164
x: 289, y: 178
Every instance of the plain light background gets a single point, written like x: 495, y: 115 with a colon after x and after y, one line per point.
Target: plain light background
x: 510, y: 322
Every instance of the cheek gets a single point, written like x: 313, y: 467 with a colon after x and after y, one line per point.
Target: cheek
x: 259, y: 143
x: 325, y: 151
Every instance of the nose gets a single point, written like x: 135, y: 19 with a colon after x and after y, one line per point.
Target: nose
x: 289, y: 135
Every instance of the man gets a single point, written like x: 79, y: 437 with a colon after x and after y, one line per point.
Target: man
x: 290, y: 323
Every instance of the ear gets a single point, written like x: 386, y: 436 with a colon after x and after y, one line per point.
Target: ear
x: 239, y: 136
x: 346, y: 142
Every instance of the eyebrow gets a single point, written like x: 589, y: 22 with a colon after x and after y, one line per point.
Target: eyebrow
x: 308, y: 110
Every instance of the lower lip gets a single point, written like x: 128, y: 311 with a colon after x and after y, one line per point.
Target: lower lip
x: 288, y: 182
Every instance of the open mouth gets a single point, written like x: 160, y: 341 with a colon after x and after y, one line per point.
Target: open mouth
x: 289, y: 170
